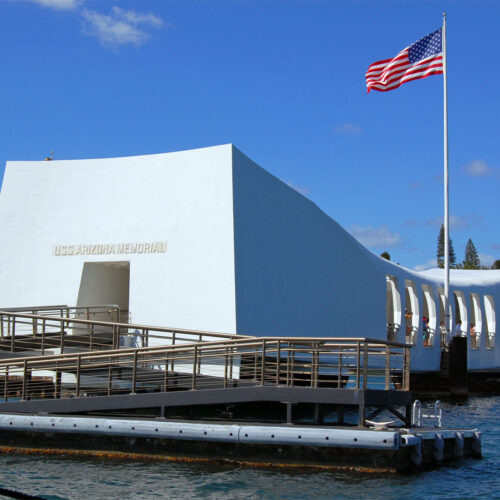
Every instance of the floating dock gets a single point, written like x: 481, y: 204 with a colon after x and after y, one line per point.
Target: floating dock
x: 85, y: 386
x: 355, y: 448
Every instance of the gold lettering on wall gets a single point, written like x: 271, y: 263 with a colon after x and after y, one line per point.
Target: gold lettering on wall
x: 110, y: 248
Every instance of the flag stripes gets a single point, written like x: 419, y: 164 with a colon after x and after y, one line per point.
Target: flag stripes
x: 419, y: 60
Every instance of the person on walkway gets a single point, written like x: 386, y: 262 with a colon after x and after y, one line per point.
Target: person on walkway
x: 458, y: 329
x: 473, y: 336
x: 443, y: 332
x: 425, y: 327
x: 408, y: 316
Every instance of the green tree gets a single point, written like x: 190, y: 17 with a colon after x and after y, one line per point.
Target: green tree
x: 496, y: 265
x: 471, y: 260
x: 440, y: 250
x: 385, y: 255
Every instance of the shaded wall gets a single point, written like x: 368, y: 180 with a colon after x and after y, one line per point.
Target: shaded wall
x: 297, y: 271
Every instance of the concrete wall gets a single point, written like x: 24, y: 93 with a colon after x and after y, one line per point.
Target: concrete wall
x: 182, y: 198
x: 297, y: 271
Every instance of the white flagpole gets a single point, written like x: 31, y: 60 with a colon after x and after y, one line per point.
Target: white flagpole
x: 446, y: 200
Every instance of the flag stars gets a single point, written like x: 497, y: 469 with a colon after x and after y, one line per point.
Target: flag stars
x: 427, y: 46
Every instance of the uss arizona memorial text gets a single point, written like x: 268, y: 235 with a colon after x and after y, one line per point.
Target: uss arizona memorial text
x: 112, y: 248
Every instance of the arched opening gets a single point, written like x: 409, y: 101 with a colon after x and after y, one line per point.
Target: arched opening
x: 491, y: 325
x: 460, y: 314
x: 392, y: 307
x: 411, y: 312
x: 430, y: 315
x: 476, y: 319
x: 444, y: 323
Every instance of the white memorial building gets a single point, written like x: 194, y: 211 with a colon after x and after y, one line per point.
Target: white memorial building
x: 208, y: 240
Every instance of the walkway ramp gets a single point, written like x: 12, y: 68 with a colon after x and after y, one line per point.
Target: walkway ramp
x: 231, y: 369
x: 62, y: 329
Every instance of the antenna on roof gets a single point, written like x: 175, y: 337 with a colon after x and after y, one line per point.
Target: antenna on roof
x: 51, y: 157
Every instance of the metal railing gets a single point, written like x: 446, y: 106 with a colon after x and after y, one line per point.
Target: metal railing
x: 343, y: 363
x: 102, y: 312
x: 444, y: 339
x: 47, y: 334
x: 411, y: 334
x: 392, y: 331
x: 490, y: 340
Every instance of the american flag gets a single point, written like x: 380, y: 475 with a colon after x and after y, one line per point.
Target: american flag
x: 419, y: 60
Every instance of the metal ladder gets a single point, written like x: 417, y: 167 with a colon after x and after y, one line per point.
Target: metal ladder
x: 417, y: 416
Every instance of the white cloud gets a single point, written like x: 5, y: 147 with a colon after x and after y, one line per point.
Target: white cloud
x: 478, y: 168
x: 300, y: 189
x: 348, y: 129
x: 456, y: 221
x: 430, y: 264
x: 120, y: 27
x: 375, y: 236
x: 58, y: 4
x: 136, y: 18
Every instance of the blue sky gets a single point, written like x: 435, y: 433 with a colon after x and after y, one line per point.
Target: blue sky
x: 284, y: 82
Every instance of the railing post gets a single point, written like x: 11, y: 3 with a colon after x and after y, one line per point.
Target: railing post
x: 165, y: 379
x: 288, y: 366
x: 195, y: 365
x: 358, y: 363
x: 172, y: 366
x: 263, y: 363
x: 255, y: 365
x: 77, y: 388
x: 406, y: 372
x: 6, y: 385
x: 62, y: 336
x: 339, y: 381
x: 43, y: 335
x: 91, y: 340
x: 57, y: 383
x: 313, y: 365
x: 278, y: 362
x: 134, y: 372
x: 25, y: 378
x: 110, y: 377
x: 113, y: 330
x: 387, y: 367
x: 1, y: 325
x: 365, y: 365
x: 13, y: 335
x: 118, y: 336
x: 225, y: 367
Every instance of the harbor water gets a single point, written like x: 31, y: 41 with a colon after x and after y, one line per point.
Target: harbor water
x: 54, y: 477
